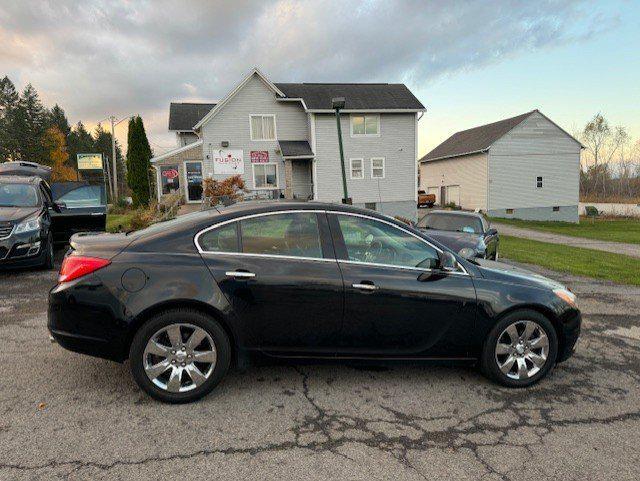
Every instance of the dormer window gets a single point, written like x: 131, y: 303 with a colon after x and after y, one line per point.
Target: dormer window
x: 365, y: 125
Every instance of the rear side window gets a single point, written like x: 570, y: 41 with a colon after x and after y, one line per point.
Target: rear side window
x: 288, y: 234
x: 222, y: 239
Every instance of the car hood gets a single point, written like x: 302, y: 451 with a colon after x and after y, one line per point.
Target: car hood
x: 454, y: 240
x: 499, y: 271
x: 13, y: 214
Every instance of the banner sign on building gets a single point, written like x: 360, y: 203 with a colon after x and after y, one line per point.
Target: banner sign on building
x: 259, y: 156
x: 227, y: 161
x: 89, y: 161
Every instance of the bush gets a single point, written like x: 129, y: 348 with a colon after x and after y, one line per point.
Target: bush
x: 121, y: 206
x: 229, y: 190
x: 591, y: 211
x: 452, y: 206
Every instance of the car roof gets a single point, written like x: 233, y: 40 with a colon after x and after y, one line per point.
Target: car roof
x: 259, y: 206
x: 19, y: 179
x: 456, y: 212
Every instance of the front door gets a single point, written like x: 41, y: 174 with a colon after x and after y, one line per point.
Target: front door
x: 279, y: 273
x: 193, y: 174
x: 396, y: 302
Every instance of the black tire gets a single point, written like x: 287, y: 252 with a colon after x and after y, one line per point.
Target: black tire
x: 489, y: 365
x: 175, y: 316
x: 49, y: 253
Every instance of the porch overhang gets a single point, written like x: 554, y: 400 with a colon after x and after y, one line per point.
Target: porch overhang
x: 295, y: 149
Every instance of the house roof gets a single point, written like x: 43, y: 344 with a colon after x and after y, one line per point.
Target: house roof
x: 184, y: 115
x: 179, y: 150
x: 477, y: 139
x: 295, y: 148
x: 358, y: 96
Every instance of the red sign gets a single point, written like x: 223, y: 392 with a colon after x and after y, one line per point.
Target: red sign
x: 259, y: 157
x: 170, y: 173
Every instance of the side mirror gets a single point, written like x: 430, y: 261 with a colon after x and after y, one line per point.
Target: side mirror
x: 59, y: 206
x: 448, y: 262
x: 491, y: 231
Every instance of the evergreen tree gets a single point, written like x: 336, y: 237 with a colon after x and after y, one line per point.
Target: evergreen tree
x: 79, y: 142
x: 8, y: 105
x: 29, y: 126
x: 138, y: 166
x: 56, y: 117
x: 102, y: 144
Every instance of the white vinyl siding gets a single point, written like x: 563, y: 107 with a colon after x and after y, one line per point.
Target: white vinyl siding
x: 356, y: 168
x: 377, y: 167
x: 263, y: 127
x: 536, y: 148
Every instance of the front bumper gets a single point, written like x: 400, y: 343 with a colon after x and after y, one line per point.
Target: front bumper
x: 571, y: 332
x: 22, y: 250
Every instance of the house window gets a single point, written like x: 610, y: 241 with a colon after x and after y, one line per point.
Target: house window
x: 539, y: 182
x: 370, y: 205
x: 263, y: 127
x: 265, y: 176
x: 365, y: 125
x: 357, y: 172
x: 377, y: 168
x: 509, y: 211
x: 556, y: 208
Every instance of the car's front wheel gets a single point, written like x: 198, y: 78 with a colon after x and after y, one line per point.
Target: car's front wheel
x: 520, y: 349
x: 180, y: 355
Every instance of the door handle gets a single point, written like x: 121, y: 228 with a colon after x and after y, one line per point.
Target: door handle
x: 365, y: 287
x: 240, y: 274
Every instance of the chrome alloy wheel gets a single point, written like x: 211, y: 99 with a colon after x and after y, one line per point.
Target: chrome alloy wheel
x: 522, y: 350
x: 179, y: 357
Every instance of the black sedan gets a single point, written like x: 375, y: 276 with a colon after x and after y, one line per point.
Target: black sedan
x: 187, y: 298
x: 466, y: 233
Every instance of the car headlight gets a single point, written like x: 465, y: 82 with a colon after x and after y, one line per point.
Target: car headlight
x: 467, y: 252
x: 567, y: 296
x: 28, y: 225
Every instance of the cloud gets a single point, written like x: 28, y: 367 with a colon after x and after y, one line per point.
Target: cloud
x: 96, y: 58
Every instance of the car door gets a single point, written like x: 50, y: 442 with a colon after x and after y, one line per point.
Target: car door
x: 280, y: 274
x: 83, y: 209
x: 397, y: 302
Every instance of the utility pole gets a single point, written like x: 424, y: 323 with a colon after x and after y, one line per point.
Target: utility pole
x: 114, y: 161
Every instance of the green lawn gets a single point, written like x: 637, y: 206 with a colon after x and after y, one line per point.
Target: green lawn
x: 623, y: 230
x: 573, y: 260
x: 115, y: 220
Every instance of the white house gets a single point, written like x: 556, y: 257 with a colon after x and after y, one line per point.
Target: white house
x: 282, y: 139
x: 524, y: 167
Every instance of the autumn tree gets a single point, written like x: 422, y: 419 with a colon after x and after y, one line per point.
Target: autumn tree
x: 54, y: 142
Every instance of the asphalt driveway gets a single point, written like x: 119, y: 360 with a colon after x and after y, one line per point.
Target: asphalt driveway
x: 68, y: 416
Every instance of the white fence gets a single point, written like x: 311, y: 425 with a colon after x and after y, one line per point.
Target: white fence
x: 625, y: 210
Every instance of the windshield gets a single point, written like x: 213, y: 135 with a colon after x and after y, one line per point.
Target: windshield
x: 18, y: 195
x: 452, y: 222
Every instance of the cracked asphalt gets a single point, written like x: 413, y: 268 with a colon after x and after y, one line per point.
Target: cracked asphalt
x: 68, y: 416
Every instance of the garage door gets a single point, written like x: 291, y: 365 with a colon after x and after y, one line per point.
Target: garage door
x: 453, y: 194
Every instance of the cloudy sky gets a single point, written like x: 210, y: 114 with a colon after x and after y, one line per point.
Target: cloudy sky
x: 469, y: 62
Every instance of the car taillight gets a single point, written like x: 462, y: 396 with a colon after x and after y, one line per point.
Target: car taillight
x: 78, y: 266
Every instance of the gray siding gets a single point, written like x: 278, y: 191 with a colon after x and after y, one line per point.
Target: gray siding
x: 231, y: 123
x: 469, y: 172
x: 536, y: 148
x: 396, y: 144
x: 563, y: 214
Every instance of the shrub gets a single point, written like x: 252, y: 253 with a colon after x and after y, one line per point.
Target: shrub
x: 591, y: 211
x: 231, y: 190
x: 452, y: 206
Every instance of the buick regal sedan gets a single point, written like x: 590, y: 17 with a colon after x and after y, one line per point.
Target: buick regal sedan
x: 185, y: 299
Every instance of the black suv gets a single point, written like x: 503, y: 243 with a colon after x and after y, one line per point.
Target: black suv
x: 26, y: 236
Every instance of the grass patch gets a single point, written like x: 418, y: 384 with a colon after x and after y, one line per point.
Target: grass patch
x: 573, y: 260
x: 115, y: 220
x: 618, y: 230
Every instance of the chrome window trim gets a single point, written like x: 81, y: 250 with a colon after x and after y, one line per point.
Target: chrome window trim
x: 321, y: 259
x: 353, y: 214
x: 250, y: 216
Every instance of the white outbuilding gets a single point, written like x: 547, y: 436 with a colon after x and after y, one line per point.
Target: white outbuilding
x: 524, y: 167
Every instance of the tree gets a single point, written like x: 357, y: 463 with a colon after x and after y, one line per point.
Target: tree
x: 56, y: 144
x: 138, y: 166
x: 56, y: 117
x: 8, y: 105
x: 80, y: 142
x: 102, y: 144
x: 29, y: 126
x: 601, y: 141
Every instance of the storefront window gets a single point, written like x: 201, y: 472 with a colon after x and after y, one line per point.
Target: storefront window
x: 170, y: 178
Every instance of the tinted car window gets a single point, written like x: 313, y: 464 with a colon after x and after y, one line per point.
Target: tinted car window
x: 289, y: 234
x: 368, y: 240
x: 453, y: 222
x: 222, y: 239
x: 86, y: 196
x: 18, y: 195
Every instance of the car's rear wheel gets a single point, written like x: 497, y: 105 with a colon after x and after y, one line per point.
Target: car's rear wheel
x: 520, y: 350
x: 180, y: 355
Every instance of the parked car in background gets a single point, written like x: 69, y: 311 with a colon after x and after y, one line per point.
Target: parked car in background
x: 186, y: 298
x: 467, y: 233
x: 426, y: 200
x: 26, y: 211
